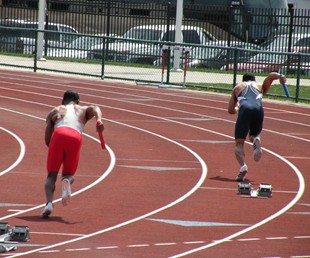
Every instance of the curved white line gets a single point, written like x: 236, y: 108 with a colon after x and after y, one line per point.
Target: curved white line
x: 21, y: 153
x: 198, y: 184
x: 103, y: 176
x: 277, y: 214
x: 297, y: 197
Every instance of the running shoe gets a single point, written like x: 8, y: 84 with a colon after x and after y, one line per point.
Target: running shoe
x: 66, y: 191
x: 243, y: 170
x: 257, y: 149
x: 46, y: 212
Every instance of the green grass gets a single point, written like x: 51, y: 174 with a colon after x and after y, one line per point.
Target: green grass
x: 276, y: 91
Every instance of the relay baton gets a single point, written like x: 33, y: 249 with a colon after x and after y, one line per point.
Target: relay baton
x: 286, y: 90
x: 101, y: 140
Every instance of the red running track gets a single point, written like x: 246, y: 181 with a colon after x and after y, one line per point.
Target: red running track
x: 164, y: 187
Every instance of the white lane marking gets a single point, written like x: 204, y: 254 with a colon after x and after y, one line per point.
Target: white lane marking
x: 180, y: 199
x: 50, y: 251
x: 77, y: 249
x: 21, y: 153
x: 55, y: 233
x: 193, y: 242
x: 264, y: 221
x: 228, y: 137
x: 103, y: 176
x: 186, y: 112
x: 165, y: 244
x: 106, y: 247
x: 276, y: 238
x: 248, y: 239
x: 296, y: 157
x: 175, y: 243
x: 141, y: 245
x: 301, y: 237
x: 300, y: 256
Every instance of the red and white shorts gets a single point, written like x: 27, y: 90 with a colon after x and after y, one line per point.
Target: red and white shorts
x: 64, y: 149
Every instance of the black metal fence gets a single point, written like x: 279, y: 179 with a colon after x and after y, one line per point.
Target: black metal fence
x: 214, y: 38
x: 116, y: 17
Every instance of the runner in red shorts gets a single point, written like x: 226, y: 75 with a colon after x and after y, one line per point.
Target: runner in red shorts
x: 63, y: 136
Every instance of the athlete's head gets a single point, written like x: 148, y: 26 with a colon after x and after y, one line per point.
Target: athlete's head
x: 248, y: 77
x: 70, y: 96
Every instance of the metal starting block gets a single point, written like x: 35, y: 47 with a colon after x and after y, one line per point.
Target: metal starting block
x: 5, y: 234
x: 4, y: 228
x: 244, y: 188
x: 20, y: 233
x: 17, y: 233
x: 265, y: 190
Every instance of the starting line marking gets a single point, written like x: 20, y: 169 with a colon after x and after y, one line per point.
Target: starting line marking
x: 174, y: 243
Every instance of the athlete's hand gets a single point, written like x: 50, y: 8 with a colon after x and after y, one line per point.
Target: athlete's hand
x: 282, y: 79
x: 99, y: 126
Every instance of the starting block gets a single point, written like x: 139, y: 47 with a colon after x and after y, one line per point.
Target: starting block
x: 17, y: 233
x: 246, y: 190
x: 265, y: 190
x: 4, y: 228
x: 20, y: 234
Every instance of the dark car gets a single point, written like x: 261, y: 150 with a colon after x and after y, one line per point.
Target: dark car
x: 19, y: 36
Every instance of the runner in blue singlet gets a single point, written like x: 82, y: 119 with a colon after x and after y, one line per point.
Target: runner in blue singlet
x: 246, y: 99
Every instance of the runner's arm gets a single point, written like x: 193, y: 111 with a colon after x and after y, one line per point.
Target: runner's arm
x: 94, y: 111
x: 232, y: 104
x: 269, y: 80
x: 49, y: 129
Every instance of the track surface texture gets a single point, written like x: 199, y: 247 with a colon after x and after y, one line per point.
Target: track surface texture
x: 165, y: 185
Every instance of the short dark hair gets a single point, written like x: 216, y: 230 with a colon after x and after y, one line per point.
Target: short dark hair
x: 248, y: 77
x: 70, y: 95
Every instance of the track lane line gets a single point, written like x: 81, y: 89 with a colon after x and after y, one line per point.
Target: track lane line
x: 21, y: 153
x: 180, y: 199
x: 264, y: 221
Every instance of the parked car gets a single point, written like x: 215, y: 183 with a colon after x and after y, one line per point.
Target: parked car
x: 304, y: 66
x: 217, y: 56
x: 78, y: 49
x: 268, y: 62
x: 13, y: 39
x: 124, y: 50
x: 262, y: 62
x: 281, y: 42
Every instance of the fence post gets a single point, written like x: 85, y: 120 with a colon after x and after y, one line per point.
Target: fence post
x: 108, y: 26
x: 103, y: 57
x: 230, y: 8
x: 168, y: 58
x: 35, y: 52
x: 46, y: 27
x: 235, y: 67
x: 291, y: 31
x: 298, y: 79
x: 167, y: 39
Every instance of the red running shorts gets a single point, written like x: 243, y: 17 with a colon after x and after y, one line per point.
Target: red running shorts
x: 64, y: 149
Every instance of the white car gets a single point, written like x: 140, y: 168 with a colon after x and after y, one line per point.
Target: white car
x: 78, y: 49
x: 137, y: 44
